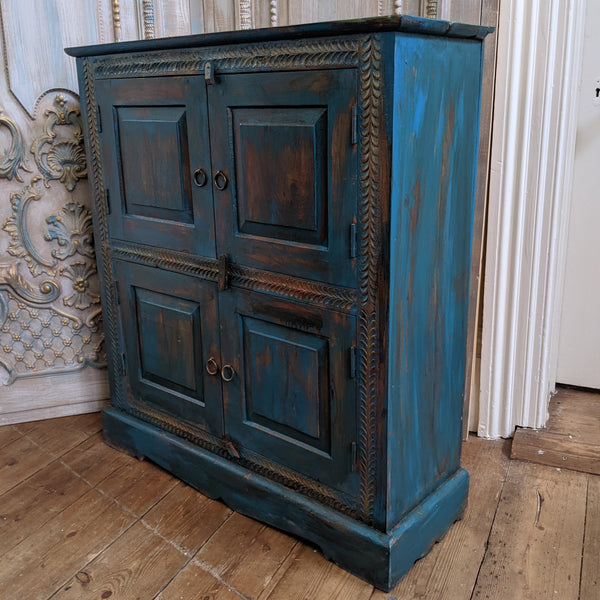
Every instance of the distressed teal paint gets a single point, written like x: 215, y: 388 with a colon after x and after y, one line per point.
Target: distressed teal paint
x: 296, y: 332
x: 432, y: 203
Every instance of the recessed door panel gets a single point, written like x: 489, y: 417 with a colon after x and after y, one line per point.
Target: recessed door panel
x: 291, y: 391
x: 154, y: 162
x: 287, y: 381
x: 156, y: 156
x: 281, y: 203
x: 171, y: 334
x: 285, y: 169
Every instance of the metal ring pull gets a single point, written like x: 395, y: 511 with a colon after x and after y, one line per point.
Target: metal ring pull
x: 230, y: 373
x: 220, y: 180
x: 212, y: 368
x: 200, y: 177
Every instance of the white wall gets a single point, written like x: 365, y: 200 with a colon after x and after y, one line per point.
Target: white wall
x: 579, y: 345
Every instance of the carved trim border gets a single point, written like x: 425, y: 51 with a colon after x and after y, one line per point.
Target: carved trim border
x: 277, y: 56
x: 167, y: 259
x: 103, y: 251
x: 370, y: 101
x: 319, y: 294
x: 247, y: 459
x: 363, y: 52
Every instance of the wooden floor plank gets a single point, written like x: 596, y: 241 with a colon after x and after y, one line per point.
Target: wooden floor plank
x: 58, y: 436
x: 18, y: 460
x: 94, y: 460
x: 450, y: 569
x: 8, y: 434
x: 193, y: 583
x: 27, y: 506
x: 136, y: 565
x: 138, y: 485
x: 245, y: 554
x: 186, y: 518
x: 535, y: 545
x: 570, y: 439
x: 556, y: 450
x: 590, y: 567
x: 44, y: 561
x: 311, y: 576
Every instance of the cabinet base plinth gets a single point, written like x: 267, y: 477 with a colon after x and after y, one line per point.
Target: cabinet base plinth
x: 377, y: 557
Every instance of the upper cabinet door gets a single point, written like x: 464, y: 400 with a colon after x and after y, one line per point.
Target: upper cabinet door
x: 157, y: 162
x: 285, y: 171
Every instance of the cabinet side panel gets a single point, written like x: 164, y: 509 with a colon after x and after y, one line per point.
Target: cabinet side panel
x: 436, y: 116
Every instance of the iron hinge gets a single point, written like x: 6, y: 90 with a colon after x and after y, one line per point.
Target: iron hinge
x: 107, y: 201
x: 209, y: 73
x: 352, y: 361
x: 123, y: 363
x: 223, y: 277
x: 354, y: 457
x: 353, y: 240
x: 354, y: 125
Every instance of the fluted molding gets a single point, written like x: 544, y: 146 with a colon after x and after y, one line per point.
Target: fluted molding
x: 539, y: 57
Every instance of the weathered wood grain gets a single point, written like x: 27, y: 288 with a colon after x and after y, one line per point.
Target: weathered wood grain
x: 58, y: 436
x: 570, y: 439
x: 451, y: 568
x: 194, y: 583
x: 536, y: 540
x: 8, y: 434
x: 44, y: 561
x: 20, y: 459
x: 36, y: 500
x: 94, y: 461
x: 245, y: 553
x: 137, y: 565
x: 590, y: 567
x: 137, y: 486
x: 311, y: 576
x: 186, y: 518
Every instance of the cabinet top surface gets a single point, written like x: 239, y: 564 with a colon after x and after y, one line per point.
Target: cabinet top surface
x: 402, y: 23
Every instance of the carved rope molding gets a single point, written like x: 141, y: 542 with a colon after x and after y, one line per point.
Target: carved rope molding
x: 362, y: 52
x: 248, y: 459
x: 285, y: 286
x: 103, y: 253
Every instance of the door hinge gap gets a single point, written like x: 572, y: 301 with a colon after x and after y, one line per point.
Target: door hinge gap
x: 99, y: 119
x: 354, y: 125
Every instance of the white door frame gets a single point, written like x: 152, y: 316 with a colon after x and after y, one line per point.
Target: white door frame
x: 540, y: 46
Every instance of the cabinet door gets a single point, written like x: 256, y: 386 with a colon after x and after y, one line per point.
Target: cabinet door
x: 156, y: 157
x: 291, y: 396
x: 170, y: 332
x: 285, y: 171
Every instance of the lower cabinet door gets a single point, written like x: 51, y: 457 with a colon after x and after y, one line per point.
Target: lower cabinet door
x: 289, y: 389
x: 171, y: 338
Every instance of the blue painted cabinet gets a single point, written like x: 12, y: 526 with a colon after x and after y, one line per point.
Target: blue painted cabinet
x: 283, y: 224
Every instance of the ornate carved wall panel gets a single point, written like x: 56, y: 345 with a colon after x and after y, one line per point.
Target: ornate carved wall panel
x: 51, y: 345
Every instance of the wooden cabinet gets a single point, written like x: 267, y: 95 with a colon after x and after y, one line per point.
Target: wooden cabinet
x: 283, y: 223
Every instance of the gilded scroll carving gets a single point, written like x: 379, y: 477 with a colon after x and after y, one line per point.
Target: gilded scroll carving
x: 20, y: 244
x: 13, y: 159
x: 72, y: 230
x: 80, y: 273
x: 61, y: 159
